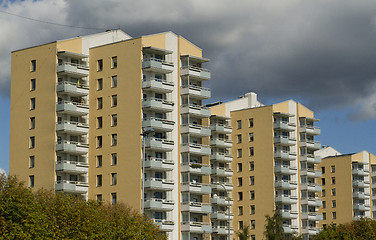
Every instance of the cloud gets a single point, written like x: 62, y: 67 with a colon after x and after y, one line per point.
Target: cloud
x: 323, y: 52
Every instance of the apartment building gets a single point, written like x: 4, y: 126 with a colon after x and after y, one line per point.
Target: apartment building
x: 274, y: 164
x: 348, y: 186
x: 86, y: 111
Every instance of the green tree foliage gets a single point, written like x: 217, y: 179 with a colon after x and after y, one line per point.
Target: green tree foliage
x: 46, y: 215
x: 360, y: 229
x: 274, y: 228
x: 244, y: 234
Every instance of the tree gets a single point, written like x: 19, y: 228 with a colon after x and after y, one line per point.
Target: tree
x: 364, y: 228
x: 274, y: 226
x: 46, y: 215
x: 244, y: 234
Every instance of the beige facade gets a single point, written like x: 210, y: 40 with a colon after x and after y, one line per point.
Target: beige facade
x: 347, y: 187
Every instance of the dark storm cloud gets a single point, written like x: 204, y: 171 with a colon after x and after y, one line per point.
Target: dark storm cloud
x: 323, y: 52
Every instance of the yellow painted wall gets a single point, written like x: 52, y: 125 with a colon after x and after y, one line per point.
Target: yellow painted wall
x: 70, y: 45
x: 219, y: 110
x: 282, y: 107
x: 128, y: 110
x: 304, y: 112
x: 155, y: 40
x: 45, y: 114
x: 187, y: 48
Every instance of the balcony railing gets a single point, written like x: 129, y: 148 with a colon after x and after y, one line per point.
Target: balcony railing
x: 158, y: 124
x: 73, y: 108
x: 195, y: 72
x: 72, y: 166
x: 196, y: 187
x: 285, y: 155
x: 72, y: 147
x: 164, y: 225
x: 195, y: 91
x: 282, y: 125
x: 196, y: 227
x: 159, y: 144
x: 224, y: 201
x: 159, y: 164
x: 73, y: 88
x: 196, y: 207
x: 195, y: 110
x: 196, y: 168
x: 158, y: 85
x: 310, y: 144
x: 222, y: 171
x: 157, y: 65
x: 73, y: 69
x: 196, y: 148
x: 221, y: 128
x: 284, y: 140
x: 158, y: 104
x: 72, y: 127
x: 159, y: 204
x: 71, y: 186
x: 196, y: 130
x: 309, y: 129
x: 159, y: 184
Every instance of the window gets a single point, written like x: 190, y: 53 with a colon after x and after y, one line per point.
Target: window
x: 334, y: 203
x: 252, y: 166
x: 99, y: 197
x: 33, y: 84
x: 322, y: 170
x: 99, y: 141
x: 240, y: 196
x: 33, y: 65
x: 113, y: 159
x: 240, y: 167
x: 114, y: 101
x: 99, y: 161
x: 100, y: 65
x: 99, y: 180
x: 31, y: 181
x: 114, y: 81
x: 240, y: 225
x: 113, y: 198
x: 240, y: 211
x: 240, y: 153
x: 240, y: 182
x: 113, y: 178
x: 114, y: 120
x: 251, y: 151
x: 333, y: 168
x: 239, y: 137
x: 253, y: 237
x: 253, y: 209
x: 323, y: 181
x: 323, y: 204
x: 113, y: 139
x: 323, y: 193
x: 251, y: 137
x: 32, y: 103
x: 252, y: 195
x: 239, y: 124
x: 253, y: 224
x: 252, y: 180
x: 32, y: 142
x: 99, y: 103
x: 99, y: 122
x: 250, y: 122
x: 323, y: 216
x: 114, y: 62
x: 333, y: 180
x: 31, y: 161
x: 334, y: 214
x: 99, y: 84
x: 32, y: 122
x: 333, y: 191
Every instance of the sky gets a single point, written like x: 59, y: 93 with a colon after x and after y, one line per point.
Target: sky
x: 321, y: 53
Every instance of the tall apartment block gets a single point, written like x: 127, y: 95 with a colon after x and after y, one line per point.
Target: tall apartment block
x: 86, y: 111
x: 274, y: 164
x: 348, y: 186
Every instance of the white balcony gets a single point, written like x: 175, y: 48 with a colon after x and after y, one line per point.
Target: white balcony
x: 286, y: 199
x: 72, y: 128
x: 311, y: 187
x: 72, y: 108
x: 196, y: 130
x: 361, y: 184
x: 159, y: 144
x: 285, y: 155
x: 72, y: 69
x: 219, y: 187
x: 309, y: 158
x: 220, y: 216
x: 72, y: 167
x: 286, y: 184
x: 158, y: 124
x: 221, y: 157
x: 72, y: 147
x: 309, y: 230
x: 221, y: 143
x: 286, y: 126
x: 159, y: 184
x: 196, y: 168
x: 284, y: 141
x: 195, y: 72
x: 196, y: 227
x: 310, y: 173
x: 311, y: 216
x: 222, y: 201
x: 157, y: 65
x: 361, y: 195
x: 361, y: 207
x: 195, y: 91
x: 288, y: 170
x: 289, y: 214
x: 156, y: 204
x: 196, y: 207
x: 360, y: 172
x: 71, y: 187
x: 159, y: 164
x: 315, y: 202
x: 164, y: 225
x: 222, y: 172
x: 197, y: 188
x: 289, y: 228
x: 220, y: 230
x: 310, y: 144
x: 195, y: 110
x: 158, y: 85
x: 73, y: 89
x: 221, y: 128
x: 157, y: 104
x: 195, y: 148
x: 311, y: 130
